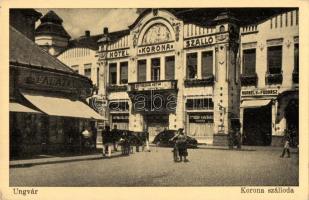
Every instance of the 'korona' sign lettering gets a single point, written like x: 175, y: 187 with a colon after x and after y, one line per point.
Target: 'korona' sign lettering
x: 156, y: 48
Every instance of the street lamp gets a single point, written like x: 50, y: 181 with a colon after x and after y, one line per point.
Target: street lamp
x: 104, y: 42
x: 221, y: 126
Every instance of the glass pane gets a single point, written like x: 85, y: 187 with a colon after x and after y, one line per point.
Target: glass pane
x: 170, y: 68
x: 124, y: 72
x: 155, y: 69
x: 113, y: 73
x: 141, y: 70
x: 274, y: 58
x: 296, y: 58
x: 192, y: 65
x: 207, y: 63
x: 249, y: 61
x: 88, y: 73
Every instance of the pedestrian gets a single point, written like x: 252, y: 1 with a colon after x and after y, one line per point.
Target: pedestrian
x: 286, y: 142
x: 94, y: 135
x: 115, y: 138
x: 86, y: 138
x: 107, y: 142
x: 238, y: 137
x: 180, y: 146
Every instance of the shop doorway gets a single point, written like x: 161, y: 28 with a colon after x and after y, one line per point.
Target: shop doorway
x: 292, y: 120
x: 257, y: 126
x: 155, y: 124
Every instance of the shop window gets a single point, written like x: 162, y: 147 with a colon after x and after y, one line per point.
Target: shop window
x: 124, y: 72
x: 141, y: 70
x: 296, y: 58
x: 274, y: 59
x: 207, y: 64
x: 155, y: 69
x: 113, y: 73
x: 249, y: 62
x: 200, y: 104
x: 191, y: 65
x: 170, y: 68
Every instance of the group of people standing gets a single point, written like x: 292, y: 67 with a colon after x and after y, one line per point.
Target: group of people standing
x: 180, y: 150
x: 114, y: 138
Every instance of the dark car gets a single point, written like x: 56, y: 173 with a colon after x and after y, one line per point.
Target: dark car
x: 163, y: 139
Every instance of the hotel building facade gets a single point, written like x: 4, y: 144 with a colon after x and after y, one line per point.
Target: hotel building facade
x: 199, y: 68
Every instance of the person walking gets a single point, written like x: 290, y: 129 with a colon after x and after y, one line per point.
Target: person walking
x: 86, y: 139
x: 94, y: 131
x: 180, y: 147
x: 286, y: 147
x: 107, y: 142
x: 115, y: 137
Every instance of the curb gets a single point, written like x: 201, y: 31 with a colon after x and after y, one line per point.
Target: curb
x: 31, y: 163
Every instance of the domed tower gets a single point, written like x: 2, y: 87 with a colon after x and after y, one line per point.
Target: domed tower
x: 50, y: 34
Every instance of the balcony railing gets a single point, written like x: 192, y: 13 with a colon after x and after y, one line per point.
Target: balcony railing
x: 117, y: 88
x: 272, y: 79
x: 295, y: 77
x: 248, y: 80
x: 208, y: 81
x: 153, y: 85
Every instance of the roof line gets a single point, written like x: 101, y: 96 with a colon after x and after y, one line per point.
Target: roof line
x: 52, y: 57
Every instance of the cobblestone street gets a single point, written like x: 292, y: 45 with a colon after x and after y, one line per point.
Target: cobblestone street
x: 252, y: 166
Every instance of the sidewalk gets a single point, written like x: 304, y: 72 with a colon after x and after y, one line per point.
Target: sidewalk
x: 54, y: 159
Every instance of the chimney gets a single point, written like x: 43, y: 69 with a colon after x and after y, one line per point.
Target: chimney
x: 87, y: 33
x: 105, y: 30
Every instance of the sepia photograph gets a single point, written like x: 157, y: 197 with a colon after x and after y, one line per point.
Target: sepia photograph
x: 152, y: 97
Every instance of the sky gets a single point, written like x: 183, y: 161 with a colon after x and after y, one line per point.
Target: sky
x: 76, y: 21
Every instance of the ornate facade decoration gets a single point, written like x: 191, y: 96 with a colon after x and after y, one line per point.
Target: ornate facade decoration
x: 158, y: 33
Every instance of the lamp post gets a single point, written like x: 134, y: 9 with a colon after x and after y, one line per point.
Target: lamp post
x: 103, y: 60
x: 221, y: 126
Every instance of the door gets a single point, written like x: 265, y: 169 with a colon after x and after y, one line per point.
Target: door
x: 156, y: 124
x: 257, y: 126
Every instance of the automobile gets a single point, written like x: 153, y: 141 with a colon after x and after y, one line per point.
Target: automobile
x: 163, y: 139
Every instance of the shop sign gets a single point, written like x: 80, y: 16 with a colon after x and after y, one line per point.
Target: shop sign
x: 156, y: 48
x: 199, y: 42
x: 259, y: 92
x: 96, y: 102
x: 207, y: 117
x: 50, y: 81
x: 118, y: 53
x: 157, y: 85
x: 124, y: 118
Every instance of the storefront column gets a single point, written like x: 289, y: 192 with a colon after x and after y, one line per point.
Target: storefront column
x: 276, y: 139
x: 199, y: 65
x: 241, y: 118
x: 148, y: 69
x: 162, y: 68
x: 118, y: 72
